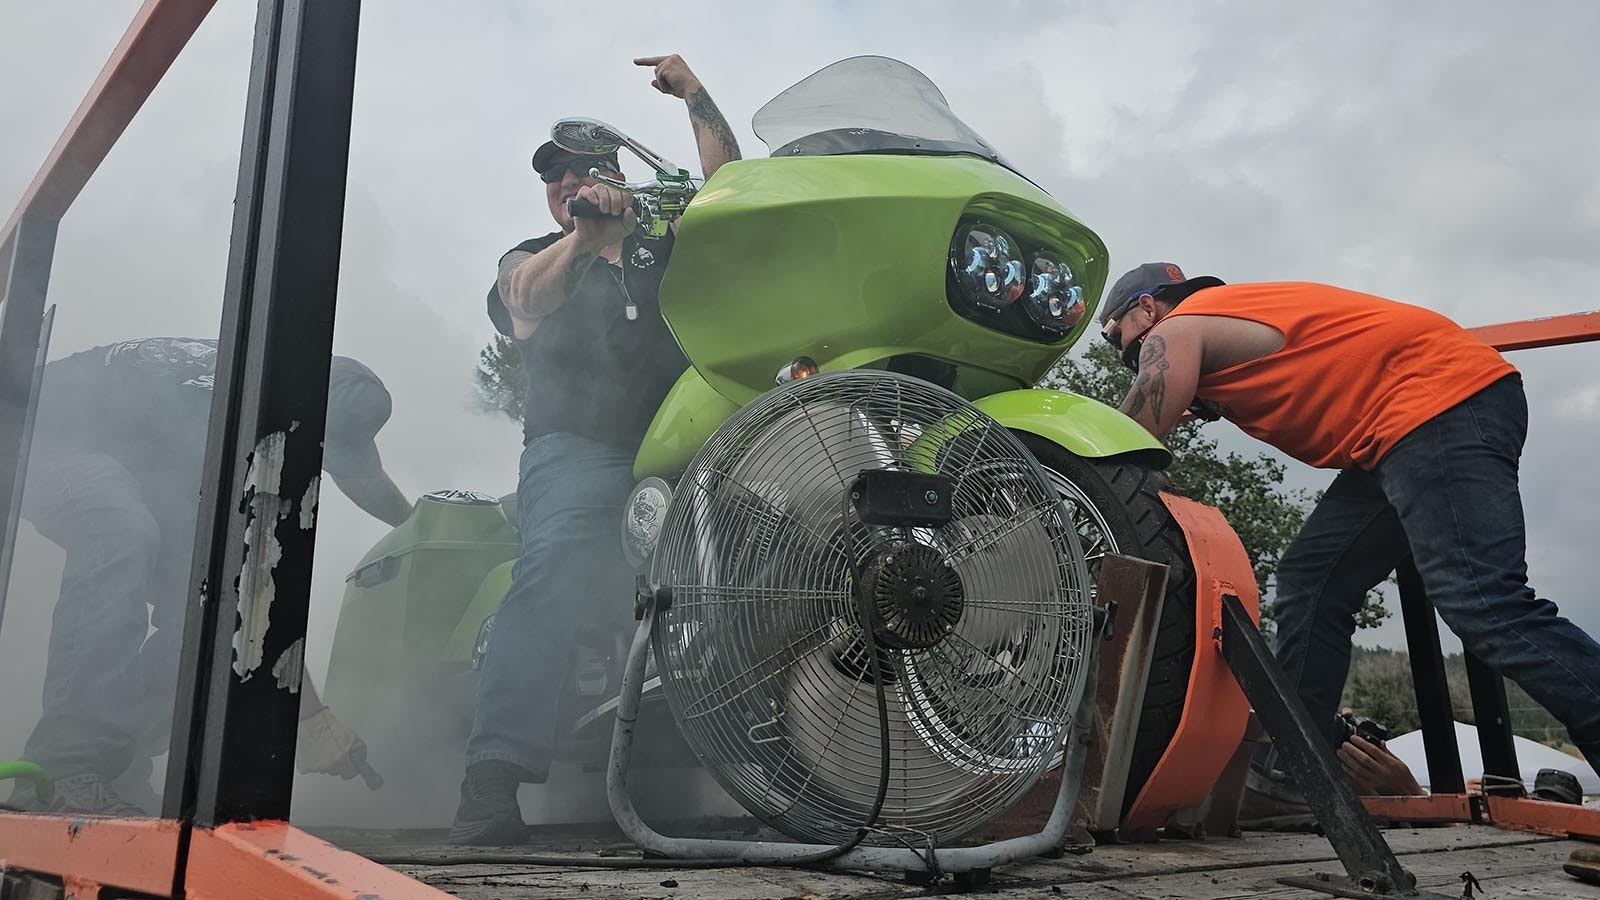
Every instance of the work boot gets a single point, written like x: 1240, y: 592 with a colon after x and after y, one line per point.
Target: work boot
x: 1270, y: 803
x: 488, y: 815
x: 1584, y: 864
x: 86, y: 793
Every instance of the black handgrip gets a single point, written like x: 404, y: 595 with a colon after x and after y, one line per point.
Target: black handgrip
x: 579, y: 208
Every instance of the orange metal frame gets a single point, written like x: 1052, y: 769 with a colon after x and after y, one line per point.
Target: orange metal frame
x: 276, y: 861
x: 158, y: 31
x: 1215, y: 710
x: 88, y: 852
x: 1548, y: 332
x: 1514, y: 813
x: 244, y: 861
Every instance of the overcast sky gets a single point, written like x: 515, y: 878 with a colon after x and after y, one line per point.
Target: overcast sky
x: 1443, y: 154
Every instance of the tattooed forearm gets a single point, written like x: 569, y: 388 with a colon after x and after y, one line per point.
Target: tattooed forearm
x: 577, y: 266
x: 1150, y: 387
x: 508, y: 273
x: 708, y: 122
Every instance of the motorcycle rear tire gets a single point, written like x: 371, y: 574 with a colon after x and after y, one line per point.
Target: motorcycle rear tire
x: 1126, y: 495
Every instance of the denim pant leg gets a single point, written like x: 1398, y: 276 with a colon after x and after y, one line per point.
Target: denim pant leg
x: 93, y: 686
x: 570, y: 493
x: 1454, y: 483
x: 1351, y: 541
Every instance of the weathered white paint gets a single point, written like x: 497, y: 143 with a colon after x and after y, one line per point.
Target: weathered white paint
x: 290, y: 667
x: 261, y: 553
x: 308, y: 503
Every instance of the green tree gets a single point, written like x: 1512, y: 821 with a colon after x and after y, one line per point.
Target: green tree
x: 1248, y: 489
x: 502, y: 383
x: 1380, y: 687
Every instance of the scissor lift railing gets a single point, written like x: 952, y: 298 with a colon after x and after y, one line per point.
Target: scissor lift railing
x: 223, y: 831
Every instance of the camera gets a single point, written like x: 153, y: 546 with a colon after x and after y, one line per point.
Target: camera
x: 1346, y: 725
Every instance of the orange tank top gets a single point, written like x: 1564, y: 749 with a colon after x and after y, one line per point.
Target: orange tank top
x: 1356, y: 373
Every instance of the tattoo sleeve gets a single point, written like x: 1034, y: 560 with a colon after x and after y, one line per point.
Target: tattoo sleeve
x: 1150, y: 387
x: 577, y: 266
x: 507, y: 279
x: 703, y: 114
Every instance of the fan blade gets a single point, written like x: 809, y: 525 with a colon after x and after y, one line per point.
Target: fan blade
x: 802, y: 464
x: 1010, y: 575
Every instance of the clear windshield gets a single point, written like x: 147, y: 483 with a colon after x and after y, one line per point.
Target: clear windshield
x: 865, y: 104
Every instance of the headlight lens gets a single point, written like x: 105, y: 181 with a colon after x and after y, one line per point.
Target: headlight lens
x: 1023, y: 280
x: 642, y: 520
x: 1055, y: 301
x: 986, y: 264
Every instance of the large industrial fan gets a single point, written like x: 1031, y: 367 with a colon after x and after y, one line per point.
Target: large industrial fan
x: 872, y: 622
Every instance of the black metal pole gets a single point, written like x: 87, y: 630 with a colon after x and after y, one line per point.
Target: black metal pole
x: 26, y: 262
x: 1430, y: 683
x: 1304, y: 750
x: 1493, y: 716
x: 237, y: 710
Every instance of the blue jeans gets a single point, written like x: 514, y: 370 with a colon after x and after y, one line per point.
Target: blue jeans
x: 108, y: 689
x: 1446, y: 495
x: 570, y: 494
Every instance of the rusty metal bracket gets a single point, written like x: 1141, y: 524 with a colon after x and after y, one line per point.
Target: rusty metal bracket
x: 1134, y: 591
x: 1358, y: 889
x: 1370, y: 865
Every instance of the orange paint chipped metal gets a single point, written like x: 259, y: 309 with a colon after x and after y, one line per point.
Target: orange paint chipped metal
x: 133, y: 854
x: 275, y: 860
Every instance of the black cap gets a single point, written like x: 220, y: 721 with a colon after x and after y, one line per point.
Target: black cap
x: 1557, y: 786
x: 550, y: 150
x: 1146, y: 279
x: 358, y: 407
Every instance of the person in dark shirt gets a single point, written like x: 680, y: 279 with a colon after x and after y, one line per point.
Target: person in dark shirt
x: 581, y: 306
x: 114, y: 479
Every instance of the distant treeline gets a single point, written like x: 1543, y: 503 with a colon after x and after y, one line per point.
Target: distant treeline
x: 1380, y: 688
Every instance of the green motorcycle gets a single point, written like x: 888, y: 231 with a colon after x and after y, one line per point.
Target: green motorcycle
x: 882, y: 233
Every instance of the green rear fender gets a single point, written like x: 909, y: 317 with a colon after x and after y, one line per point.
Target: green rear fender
x: 1081, y: 425
x: 483, y: 605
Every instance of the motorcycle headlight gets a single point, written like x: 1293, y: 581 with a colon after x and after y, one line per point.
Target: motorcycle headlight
x: 642, y: 519
x: 1055, y: 301
x: 986, y: 264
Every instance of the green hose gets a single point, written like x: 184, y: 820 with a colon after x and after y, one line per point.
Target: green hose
x: 42, y: 783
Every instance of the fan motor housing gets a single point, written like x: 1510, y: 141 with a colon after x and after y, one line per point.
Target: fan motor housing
x: 916, y: 596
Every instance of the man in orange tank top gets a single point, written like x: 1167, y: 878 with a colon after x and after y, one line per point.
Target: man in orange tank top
x: 1426, y: 424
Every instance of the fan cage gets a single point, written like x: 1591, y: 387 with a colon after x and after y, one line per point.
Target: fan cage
x: 761, y: 653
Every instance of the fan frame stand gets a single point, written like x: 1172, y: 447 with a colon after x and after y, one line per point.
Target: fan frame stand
x: 952, y: 860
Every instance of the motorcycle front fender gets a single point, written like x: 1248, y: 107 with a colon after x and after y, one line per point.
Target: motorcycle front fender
x: 1081, y: 425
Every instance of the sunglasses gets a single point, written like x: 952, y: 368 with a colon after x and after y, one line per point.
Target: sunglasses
x: 1130, y: 353
x: 580, y: 167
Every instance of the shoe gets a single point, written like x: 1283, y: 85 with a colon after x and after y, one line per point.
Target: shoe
x: 488, y: 815
x: 85, y: 794
x: 1272, y: 805
x: 1584, y: 865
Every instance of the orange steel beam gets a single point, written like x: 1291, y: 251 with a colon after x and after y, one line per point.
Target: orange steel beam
x: 276, y: 861
x: 1551, y: 331
x: 1433, y: 808
x: 1215, y: 711
x: 1544, y: 817
x: 90, y: 851
x: 159, y: 30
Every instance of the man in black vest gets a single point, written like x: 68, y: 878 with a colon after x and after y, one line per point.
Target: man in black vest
x: 114, y: 480
x: 581, y: 305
